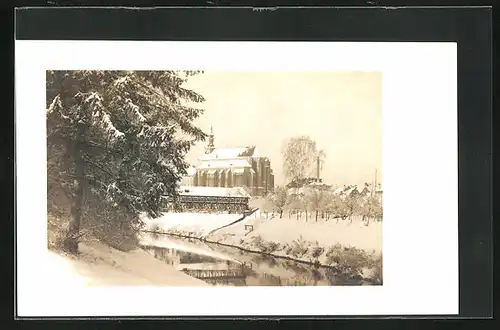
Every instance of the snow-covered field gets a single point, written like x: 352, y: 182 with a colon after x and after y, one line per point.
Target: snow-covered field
x: 287, y: 230
x: 272, y: 229
x: 195, y: 224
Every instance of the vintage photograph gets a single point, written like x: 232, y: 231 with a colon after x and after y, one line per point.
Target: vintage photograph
x: 205, y: 178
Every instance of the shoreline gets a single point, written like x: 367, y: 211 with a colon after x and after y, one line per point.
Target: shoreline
x: 99, y: 264
x: 239, y: 248
x: 316, y: 263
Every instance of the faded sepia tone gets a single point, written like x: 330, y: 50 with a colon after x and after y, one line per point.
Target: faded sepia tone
x: 191, y: 178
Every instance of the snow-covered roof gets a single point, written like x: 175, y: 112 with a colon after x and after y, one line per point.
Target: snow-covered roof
x: 229, y: 153
x: 350, y: 190
x: 338, y: 191
x: 296, y: 191
x: 213, y: 191
x: 232, y: 163
x: 320, y: 185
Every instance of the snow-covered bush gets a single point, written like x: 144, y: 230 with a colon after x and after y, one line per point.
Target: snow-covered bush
x: 350, y: 261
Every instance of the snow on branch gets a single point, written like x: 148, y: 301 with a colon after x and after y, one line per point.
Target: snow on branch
x: 94, y: 98
x: 158, y: 132
x: 135, y: 109
x: 122, y: 81
x: 109, y: 127
x: 55, y: 104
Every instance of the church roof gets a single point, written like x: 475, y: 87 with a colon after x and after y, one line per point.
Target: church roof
x: 229, y: 153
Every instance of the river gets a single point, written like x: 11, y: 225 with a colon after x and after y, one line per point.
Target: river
x: 227, y: 266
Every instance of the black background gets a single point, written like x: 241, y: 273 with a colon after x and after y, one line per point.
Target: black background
x: 471, y: 28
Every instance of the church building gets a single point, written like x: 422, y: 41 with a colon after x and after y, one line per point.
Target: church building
x: 234, y: 167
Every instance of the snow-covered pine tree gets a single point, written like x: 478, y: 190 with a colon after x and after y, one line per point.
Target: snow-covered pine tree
x: 116, y: 141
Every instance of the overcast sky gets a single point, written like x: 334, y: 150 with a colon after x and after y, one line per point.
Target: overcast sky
x: 341, y: 111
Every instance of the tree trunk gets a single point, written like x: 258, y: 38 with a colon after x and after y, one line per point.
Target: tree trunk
x: 70, y: 243
x: 281, y: 214
x: 316, y: 215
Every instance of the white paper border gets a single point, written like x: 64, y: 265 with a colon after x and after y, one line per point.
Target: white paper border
x: 420, y: 231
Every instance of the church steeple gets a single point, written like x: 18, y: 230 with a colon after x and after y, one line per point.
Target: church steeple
x: 210, y: 147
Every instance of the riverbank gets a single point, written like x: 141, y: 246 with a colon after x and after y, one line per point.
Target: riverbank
x: 282, y: 238
x: 98, y: 264
x: 260, y: 269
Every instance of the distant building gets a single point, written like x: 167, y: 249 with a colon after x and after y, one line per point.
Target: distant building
x: 352, y: 191
x: 300, y: 183
x: 370, y: 189
x: 188, y: 180
x: 367, y: 190
x: 307, y: 186
x: 233, y: 167
x: 338, y: 191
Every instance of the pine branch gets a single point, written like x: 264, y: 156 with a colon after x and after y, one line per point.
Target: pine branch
x: 176, y: 116
x: 102, y: 168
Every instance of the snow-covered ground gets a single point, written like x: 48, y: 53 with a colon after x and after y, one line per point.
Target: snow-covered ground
x: 100, y: 265
x: 274, y: 229
x: 61, y: 271
x: 287, y: 230
x: 196, y: 224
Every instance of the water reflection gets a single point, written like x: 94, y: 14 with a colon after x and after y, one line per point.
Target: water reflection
x: 225, y: 266
x: 175, y: 257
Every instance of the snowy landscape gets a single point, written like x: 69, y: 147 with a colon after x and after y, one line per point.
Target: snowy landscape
x: 142, y: 191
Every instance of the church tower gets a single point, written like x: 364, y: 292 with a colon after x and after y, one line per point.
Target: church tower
x: 210, y: 147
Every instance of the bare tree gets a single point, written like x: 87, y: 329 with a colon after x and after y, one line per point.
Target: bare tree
x: 279, y: 199
x: 371, y: 209
x: 305, y: 206
x: 316, y: 200
x: 295, y: 204
x: 341, y: 207
x: 352, y: 205
x: 299, y: 155
x: 328, y: 205
x: 267, y: 206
